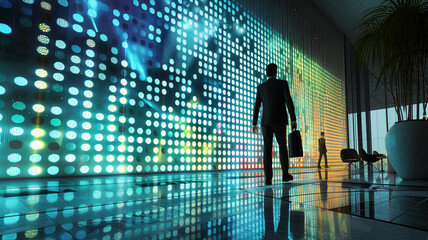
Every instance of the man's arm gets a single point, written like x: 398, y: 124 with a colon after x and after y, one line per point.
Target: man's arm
x: 290, y: 106
x: 257, y: 105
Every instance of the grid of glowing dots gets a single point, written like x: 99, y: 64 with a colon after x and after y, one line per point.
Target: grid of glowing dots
x: 131, y: 87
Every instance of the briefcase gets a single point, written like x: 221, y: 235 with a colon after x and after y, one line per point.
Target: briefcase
x: 295, y: 148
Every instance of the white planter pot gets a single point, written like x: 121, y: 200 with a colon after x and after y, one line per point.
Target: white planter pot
x: 407, y: 146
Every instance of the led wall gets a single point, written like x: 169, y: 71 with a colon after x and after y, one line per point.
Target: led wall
x: 108, y: 87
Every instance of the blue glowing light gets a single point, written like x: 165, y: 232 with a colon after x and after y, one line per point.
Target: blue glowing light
x: 63, y: 3
x: 5, y: 29
x: 77, y: 28
x: 78, y: 17
x: 20, y: 81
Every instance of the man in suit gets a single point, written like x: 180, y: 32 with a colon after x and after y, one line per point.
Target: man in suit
x: 274, y: 94
x: 322, y: 149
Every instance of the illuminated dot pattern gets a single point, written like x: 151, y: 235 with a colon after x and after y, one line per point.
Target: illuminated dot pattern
x: 148, y: 87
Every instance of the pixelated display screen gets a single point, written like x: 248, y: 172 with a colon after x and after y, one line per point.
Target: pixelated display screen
x: 145, y: 86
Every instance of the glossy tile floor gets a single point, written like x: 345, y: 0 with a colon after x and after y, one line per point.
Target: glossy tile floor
x: 334, y: 203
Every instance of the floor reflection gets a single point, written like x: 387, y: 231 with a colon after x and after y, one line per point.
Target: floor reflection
x: 290, y: 223
x: 320, y: 204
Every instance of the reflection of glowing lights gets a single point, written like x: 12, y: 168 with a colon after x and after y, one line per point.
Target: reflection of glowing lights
x: 32, y: 217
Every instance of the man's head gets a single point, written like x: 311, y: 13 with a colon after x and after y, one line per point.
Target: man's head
x: 271, y: 70
x: 322, y: 134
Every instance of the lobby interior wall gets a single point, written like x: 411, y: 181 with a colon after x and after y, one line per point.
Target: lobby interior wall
x: 110, y: 87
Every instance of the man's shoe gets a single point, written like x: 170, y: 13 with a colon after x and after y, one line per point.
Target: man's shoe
x: 319, y: 166
x: 287, y: 178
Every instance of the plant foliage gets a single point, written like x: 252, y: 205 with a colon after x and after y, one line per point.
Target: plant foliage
x: 395, y: 37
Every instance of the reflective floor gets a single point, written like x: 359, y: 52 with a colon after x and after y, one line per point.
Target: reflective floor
x: 337, y: 203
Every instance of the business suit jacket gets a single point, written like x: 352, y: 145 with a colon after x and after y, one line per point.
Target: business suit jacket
x: 274, y: 94
x: 322, y: 148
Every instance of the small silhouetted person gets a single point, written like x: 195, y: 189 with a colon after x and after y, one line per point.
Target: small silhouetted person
x: 322, y: 149
x: 275, y: 95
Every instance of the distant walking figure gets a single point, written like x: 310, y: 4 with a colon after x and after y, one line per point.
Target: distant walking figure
x: 274, y: 94
x: 322, y: 149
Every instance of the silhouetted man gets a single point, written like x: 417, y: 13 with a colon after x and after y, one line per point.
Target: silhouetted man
x: 274, y: 94
x: 322, y: 149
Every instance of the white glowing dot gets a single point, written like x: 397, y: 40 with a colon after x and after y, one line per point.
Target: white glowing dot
x: 38, y: 108
x: 98, y: 158
x: 111, y: 128
x: 41, y: 73
x: 37, y: 132
x: 98, y: 169
x: 36, y: 145
x: 35, y: 170
x: 121, y: 169
x: 112, y: 108
x: 121, y: 148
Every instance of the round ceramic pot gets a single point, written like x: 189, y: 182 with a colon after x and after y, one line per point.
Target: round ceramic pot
x: 407, y: 146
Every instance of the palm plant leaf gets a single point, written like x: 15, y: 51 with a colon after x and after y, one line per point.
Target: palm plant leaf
x: 395, y: 37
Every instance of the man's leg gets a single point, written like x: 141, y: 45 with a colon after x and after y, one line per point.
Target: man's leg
x: 319, y: 160
x: 267, y: 132
x: 268, y: 212
x: 325, y: 159
x: 281, y: 138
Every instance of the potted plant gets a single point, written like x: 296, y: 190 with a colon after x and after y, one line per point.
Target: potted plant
x: 394, y: 40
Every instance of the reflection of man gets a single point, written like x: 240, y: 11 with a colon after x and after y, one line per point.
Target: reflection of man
x: 323, y: 187
x: 282, y: 230
x: 290, y: 224
x: 274, y: 94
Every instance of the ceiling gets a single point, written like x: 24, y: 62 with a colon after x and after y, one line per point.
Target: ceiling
x: 347, y: 14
